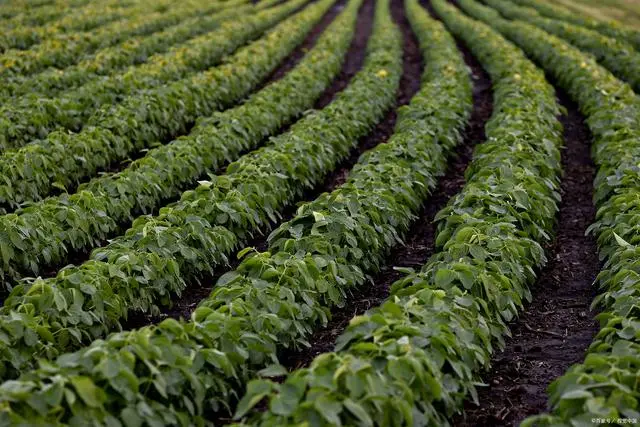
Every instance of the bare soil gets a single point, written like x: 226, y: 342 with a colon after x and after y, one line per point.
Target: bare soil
x: 554, y: 330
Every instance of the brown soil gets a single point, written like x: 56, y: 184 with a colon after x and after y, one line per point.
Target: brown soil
x: 420, y: 243
x: 554, y: 331
x: 312, y: 38
x: 355, y: 55
x: 196, y: 292
x: 409, y: 85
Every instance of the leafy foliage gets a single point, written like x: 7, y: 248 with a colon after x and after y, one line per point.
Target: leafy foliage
x: 32, y: 117
x: 617, y: 55
x: 158, y: 255
x: 133, y: 51
x: 23, y: 31
x: 173, y: 373
x: 610, y: 29
x: 44, y: 233
x: 60, y: 50
x: 413, y: 360
x: 606, y: 384
x: 115, y: 131
x: 43, y: 12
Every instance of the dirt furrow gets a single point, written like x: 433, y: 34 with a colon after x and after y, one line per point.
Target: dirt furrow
x: 554, y: 330
x: 420, y: 242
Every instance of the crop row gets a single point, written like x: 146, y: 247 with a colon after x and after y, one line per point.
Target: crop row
x: 617, y: 55
x: 184, y: 369
x: 606, y: 384
x: 414, y: 360
x: 23, y: 36
x: 83, y: 219
x: 67, y: 29
x: 15, y: 14
x: 45, y: 232
x: 67, y: 49
x: 21, y: 32
x: 610, y: 28
x: 133, y: 51
x: 116, y: 131
x: 33, y: 117
x: 159, y: 254
x: 10, y: 11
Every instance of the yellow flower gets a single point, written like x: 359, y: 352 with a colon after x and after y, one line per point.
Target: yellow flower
x: 382, y: 73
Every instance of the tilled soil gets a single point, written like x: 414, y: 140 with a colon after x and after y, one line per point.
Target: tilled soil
x: 183, y: 306
x: 409, y: 85
x: 554, y: 330
x: 420, y: 243
x: 312, y: 38
x: 355, y: 55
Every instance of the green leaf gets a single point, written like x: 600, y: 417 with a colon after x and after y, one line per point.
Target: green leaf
x: 620, y: 240
x: 273, y: 371
x: 329, y: 409
x: 87, y: 391
x: 357, y: 410
x: 444, y: 277
x: 256, y: 391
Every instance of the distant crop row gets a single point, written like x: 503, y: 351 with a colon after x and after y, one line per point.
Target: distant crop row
x: 32, y: 117
x: 98, y: 209
x: 65, y: 15
x: 109, y: 60
x: 80, y: 33
x: 115, y: 131
x: 617, y: 55
x: 60, y: 50
x: 610, y: 29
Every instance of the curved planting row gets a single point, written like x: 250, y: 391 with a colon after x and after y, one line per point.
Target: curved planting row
x: 13, y: 14
x: 610, y: 29
x: 57, y: 14
x: 159, y: 255
x: 43, y: 8
x: 50, y: 229
x: 32, y: 117
x: 133, y: 51
x: 616, y: 55
x: 67, y: 32
x: 24, y: 35
x: 605, y: 385
x: 414, y: 360
x: 190, y: 368
x: 116, y: 131
x: 67, y: 49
